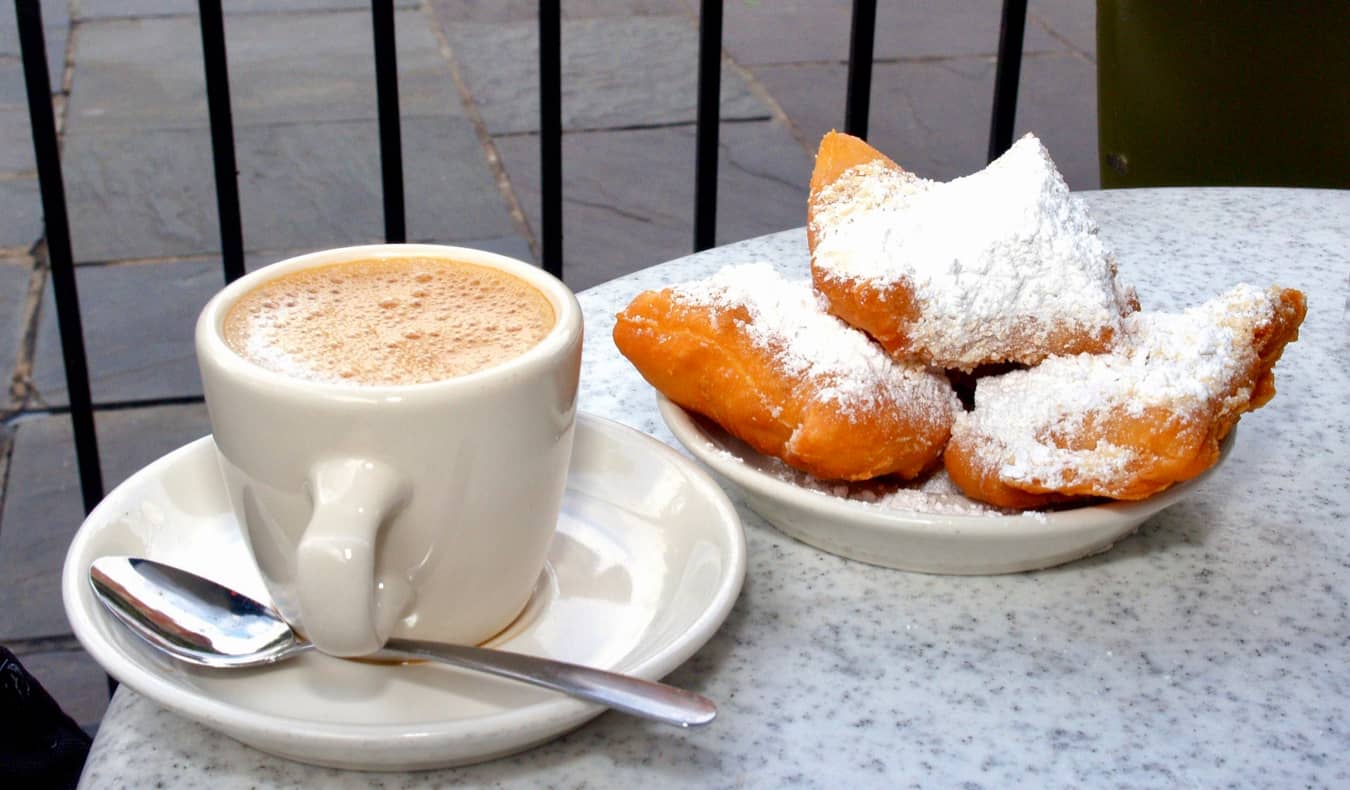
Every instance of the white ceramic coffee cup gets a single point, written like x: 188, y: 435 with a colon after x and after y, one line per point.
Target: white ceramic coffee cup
x: 422, y: 510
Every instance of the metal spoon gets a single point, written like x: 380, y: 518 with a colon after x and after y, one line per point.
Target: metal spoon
x: 204, y: 623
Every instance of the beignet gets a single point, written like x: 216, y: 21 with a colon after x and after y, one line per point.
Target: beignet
x: 1129, y: 423
x: 760, y: 356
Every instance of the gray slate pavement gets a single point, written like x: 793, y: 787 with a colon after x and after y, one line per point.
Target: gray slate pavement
x: 15, y: 274
x: 140, y: 183
x: 817, y: 31
x: 56, y: 33
x: 627, y: 193
x: 927, y: 117
x: 43, y: 511
x: 303, y: 69
x: 138, y: 320
x: 301, y: 187
x: 617, y: 72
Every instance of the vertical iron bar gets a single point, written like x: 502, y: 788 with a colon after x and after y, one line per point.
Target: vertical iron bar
x: 1006, y: 72
x: 550, y: 137
x: 707, y: 122
x: 391, y: 143
x: 47, y: 152
x: 858, y: 99
x: 222, y: 138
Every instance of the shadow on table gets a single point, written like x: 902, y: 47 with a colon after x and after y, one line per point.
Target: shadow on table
x: 1185, y: 523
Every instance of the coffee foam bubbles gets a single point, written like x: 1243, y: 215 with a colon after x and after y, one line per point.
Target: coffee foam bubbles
x: 383, y: 322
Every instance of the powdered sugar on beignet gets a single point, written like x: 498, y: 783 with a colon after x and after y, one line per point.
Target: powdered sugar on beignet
x: 834, y: 361
x: 1003, y: 265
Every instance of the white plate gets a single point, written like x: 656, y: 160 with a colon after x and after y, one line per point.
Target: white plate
x: 648, y: 561
x: 917, y: 541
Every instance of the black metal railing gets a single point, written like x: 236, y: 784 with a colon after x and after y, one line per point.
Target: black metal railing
x: 222, y: 138
x: 51, y: 185
x: 706, y: 123
x: 550, y: 138
x: 858, y: 93
x: 47, y: 153
x: 1007, y: 69
x: 391, y: 137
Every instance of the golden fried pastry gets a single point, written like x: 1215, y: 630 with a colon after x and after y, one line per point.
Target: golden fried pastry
x: 1129, y: 423
x: 1000, y: 266
x: 760, y: 356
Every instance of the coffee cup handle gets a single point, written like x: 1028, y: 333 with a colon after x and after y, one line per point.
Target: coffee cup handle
x: 344, y: 609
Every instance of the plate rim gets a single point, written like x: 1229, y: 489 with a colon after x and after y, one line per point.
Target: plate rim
x: 1031, y: 524
x: 250, y: 726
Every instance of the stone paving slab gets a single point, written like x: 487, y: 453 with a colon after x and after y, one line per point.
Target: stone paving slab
x: 102, y: 9
x: 1059, y: 104
x: 138, y: 324
x: 762, y: 185
x: 629, y: 195
x: 77, y: 683
x: 318, y: 186
x: 933, y: 118
x: 13, y: 93
x: 14, y: 276
x: 300, y: 68
x: 139, y: 74
x: 151, y: 194
x: 20, y: 213
x: 55, y: 30
x: 6, y: 445
x: 16, y: 141
x: 528, y: 10
x: 141, y: 194
x: 42, y: 508
x: 616, y: 72
x: 1073, y: 21
x: 41, y: 512
x: 510, y: 246
x: 449, y: 192
x: 800, y: 31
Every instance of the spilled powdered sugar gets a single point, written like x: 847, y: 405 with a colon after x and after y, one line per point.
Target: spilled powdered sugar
x: 934, y: 494
x: 787, y: 320
x: 1004, y: 253
x: 1184, y: 362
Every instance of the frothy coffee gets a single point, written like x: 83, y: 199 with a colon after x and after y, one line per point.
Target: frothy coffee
x: 388, y: 321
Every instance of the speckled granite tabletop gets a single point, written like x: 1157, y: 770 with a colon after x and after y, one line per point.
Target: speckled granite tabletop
x: 1212, y: 648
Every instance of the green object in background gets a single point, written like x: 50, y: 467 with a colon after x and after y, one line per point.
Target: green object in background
x: 1224, y: 92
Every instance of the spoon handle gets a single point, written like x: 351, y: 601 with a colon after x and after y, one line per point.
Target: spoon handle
x: 645, y: 698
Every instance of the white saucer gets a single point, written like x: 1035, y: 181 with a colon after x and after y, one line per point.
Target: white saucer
x: 929, y: 542
x: 648, y: 561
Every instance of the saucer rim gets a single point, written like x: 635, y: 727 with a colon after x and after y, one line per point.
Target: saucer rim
x: 557, y: 715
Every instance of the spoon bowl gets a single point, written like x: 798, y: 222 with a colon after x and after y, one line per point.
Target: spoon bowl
x: 192, y: 618
x: 201, y: 622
